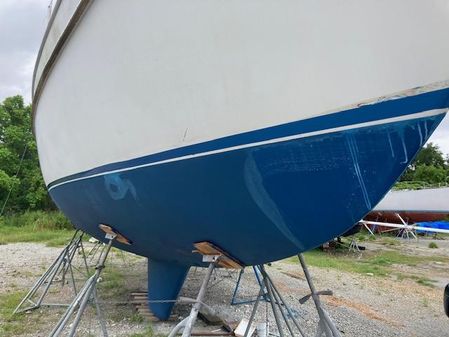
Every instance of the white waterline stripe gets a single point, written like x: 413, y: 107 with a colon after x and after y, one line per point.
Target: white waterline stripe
x: 428, y: 113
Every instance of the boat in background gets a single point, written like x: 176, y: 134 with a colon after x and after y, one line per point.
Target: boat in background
x: 412, y: 206
x: 264, y: 127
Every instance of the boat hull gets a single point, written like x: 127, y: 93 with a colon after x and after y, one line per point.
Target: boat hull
x: 259, y: 204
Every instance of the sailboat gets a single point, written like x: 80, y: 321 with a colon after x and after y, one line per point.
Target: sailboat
x: 262, y: 127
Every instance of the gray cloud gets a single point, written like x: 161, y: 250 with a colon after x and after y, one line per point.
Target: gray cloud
x: 22, y: 25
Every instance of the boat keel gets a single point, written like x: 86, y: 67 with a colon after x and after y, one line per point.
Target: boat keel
x: 165, y: 280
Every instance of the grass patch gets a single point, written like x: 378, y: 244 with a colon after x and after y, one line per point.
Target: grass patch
x: 393, y: 257
x: 113, y: 282
x: 321, y: 259
x: 364, y: 235
x: 37, y: 219
x: 51, y: 228
x: 425, y: 282
x: 377, y: 264
x: 11, y: 325
x: 388, y: 241
x: 29, y: 234
x: 419, y: 279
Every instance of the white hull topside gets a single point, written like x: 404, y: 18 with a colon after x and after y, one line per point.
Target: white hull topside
x: 143, y: 76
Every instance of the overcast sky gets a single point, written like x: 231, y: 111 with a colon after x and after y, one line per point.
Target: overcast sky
x: 22, y: 25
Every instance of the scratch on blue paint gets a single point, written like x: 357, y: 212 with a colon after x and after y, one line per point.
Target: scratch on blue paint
x: 426, y: 130
x: 404, y: 147
x: 391, y: 145
x: 421, y: 140
x: 354, y: 156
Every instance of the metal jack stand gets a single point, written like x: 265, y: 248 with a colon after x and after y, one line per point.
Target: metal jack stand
x: 283, y: 315
x: 353, y: 246
x: 215, y: 257
x: 94, y: 250
x: 56, y: 272
x: 188, y: 322
x: 325, y: 324
x: 407, y: 231
x: 235, y: 301
x: 89, y: 290
x: 281, y: 311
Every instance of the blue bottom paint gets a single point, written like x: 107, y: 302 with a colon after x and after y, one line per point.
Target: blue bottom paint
x: 259, y: 204
x: 164, y: 283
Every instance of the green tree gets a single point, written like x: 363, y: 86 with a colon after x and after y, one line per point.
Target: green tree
x: 429, y: 161
x: 430, y: 155
x: 21, y: 183
x: 430, y: 174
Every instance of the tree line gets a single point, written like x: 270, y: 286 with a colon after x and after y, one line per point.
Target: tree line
x: 21, y: 184
x: 22, y: 187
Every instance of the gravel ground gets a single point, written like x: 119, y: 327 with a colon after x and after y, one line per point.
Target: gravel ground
x: 361, y: 305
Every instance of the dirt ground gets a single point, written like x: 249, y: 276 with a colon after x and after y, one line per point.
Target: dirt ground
x: 361, y: 304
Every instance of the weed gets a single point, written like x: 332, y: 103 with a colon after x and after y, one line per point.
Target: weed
x: 433, y: 245
x: 425, y: 282
x: 148, y: 332
x: 136, y: 318
x: 113, y: 282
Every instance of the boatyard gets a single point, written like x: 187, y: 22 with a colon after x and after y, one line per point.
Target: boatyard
x: 393, y: 288
x: 224, y: 168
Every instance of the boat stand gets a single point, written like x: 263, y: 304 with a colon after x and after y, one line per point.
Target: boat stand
x: 235, y: 301
x: 214, y: 256
x: 364, y: 224
x: 325, y: 325
x: 94, y: 250
x: 88, y: 292
x: 281, y: 311
x: 187, y: 323
x: 283, y: 315
x: 354, y: 246
x: 57, y: 272
x: 408, y: 231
